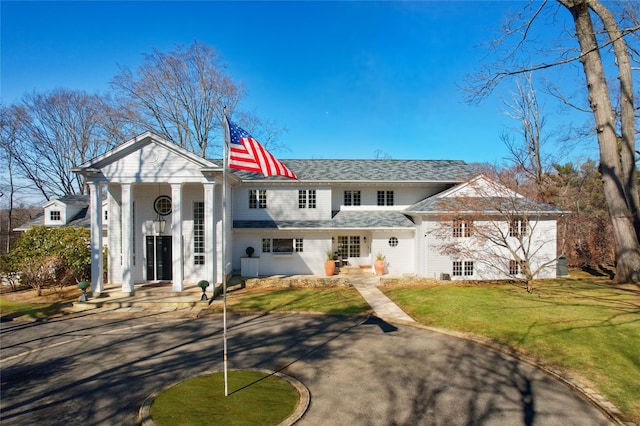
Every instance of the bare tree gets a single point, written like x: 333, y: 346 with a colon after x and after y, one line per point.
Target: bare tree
x: 617, y: 162
x: 7, y: 187
x: 180, y: 95
x: 55, y: 132
x: 527, y: 149
x: 499, y: 230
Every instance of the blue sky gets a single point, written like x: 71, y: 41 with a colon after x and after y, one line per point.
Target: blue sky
x: 345, y: 78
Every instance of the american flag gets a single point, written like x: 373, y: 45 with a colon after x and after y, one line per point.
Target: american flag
x: 246, y: 153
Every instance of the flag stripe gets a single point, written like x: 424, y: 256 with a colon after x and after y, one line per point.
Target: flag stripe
x: 246, y: 153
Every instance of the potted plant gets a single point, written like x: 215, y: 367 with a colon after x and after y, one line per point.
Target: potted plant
x: 249, y: 250
x: 378, y: 265
x: 329, y: 264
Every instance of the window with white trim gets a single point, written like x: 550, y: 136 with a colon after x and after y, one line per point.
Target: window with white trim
x: 385, y: 198
x: 349, y: 246
x: 462, y: 228
x: 257, y: 198
x: 514, y: 267
x: 55, y: 216
x: 198, y: 232
x: 351, y: 198
x: 282, y: 245
x: 518, y: 228
x: 461, y: 268
x: 307, y: 199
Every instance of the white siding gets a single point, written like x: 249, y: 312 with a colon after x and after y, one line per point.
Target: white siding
x: 543, y: 243
x: 403, y: 196
x: 399, y: 260
x: 309, y: 262
x: 282, y: 204
x: 152, y: 163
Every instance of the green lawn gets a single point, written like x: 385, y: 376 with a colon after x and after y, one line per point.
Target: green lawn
x: 30, y: 310
x: 338, y: 300
x: 254, y: 398
x: 586, y: 327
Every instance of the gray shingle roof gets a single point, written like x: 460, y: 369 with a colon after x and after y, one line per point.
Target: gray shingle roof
x: 371, y: 170
x: 341, y: 220
x: 485, y: 205
x: 75, y: 200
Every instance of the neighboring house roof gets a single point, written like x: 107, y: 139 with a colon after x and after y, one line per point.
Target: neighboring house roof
x: 341, y: 220
x: 37, y: 220
x: 370, y: 171
x: 82, y: 219
x: 70, y: 200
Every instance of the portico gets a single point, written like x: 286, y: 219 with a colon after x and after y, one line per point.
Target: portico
x: 164, y: 215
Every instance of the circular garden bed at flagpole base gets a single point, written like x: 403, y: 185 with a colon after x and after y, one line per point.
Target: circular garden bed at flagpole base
x: 303, y: 396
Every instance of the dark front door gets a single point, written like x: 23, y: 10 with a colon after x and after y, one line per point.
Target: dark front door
x: 159, y: 258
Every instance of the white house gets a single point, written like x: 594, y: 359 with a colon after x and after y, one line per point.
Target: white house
x: 69, y: 210
x: 166, y: 208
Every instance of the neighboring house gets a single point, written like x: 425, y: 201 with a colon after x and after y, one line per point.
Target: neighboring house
x: 69, y: 210
x: 166, y: 211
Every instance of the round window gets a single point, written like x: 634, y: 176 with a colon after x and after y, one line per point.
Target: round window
x: 393, y: 242
x: 162, y: 205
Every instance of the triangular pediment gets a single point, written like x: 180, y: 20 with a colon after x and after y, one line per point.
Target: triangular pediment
x: 479, y: 186
x: 148, y: 158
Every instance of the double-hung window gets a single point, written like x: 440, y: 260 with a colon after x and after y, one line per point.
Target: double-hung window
x: 514, y: 267
x: 385, y: 198
x: 462, y: 228
x: 518, y: 227
x: 307, y: 199
x: 461, y: 268
x: 351, y: 198
x: 257, y: 198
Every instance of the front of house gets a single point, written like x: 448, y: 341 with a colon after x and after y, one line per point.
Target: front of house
x: 167, y: 209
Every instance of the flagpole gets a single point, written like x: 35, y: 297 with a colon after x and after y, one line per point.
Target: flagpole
x: 225, y: 149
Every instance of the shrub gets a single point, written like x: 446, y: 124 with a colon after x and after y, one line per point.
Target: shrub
x: 47, y: 257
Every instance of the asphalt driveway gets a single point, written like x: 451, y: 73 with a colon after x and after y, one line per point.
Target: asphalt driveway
x: 90, y: 370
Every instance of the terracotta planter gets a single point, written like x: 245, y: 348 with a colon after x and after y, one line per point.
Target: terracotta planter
x: 329, y: 267
x: 378, y: 265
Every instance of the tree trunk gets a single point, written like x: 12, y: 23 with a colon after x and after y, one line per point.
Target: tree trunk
x: 613, y: 173
x: 627, y: 118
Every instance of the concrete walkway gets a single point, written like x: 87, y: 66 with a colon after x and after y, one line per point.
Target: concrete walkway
x: 381, y: 304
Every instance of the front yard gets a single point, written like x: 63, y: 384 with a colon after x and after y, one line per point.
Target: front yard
x: 586, y: 327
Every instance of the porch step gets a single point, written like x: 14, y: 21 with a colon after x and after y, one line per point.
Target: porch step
x: 356, y: 271
x: 158, y: 299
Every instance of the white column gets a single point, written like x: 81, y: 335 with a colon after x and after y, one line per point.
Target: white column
x: 220, y: 210
x: 176, y: 236
x: 95, y: 204
x: 114, y: 233
x: 127, y: 238
x: 209, y: 235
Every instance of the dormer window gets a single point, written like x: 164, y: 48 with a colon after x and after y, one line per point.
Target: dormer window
x: 55, y: 216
